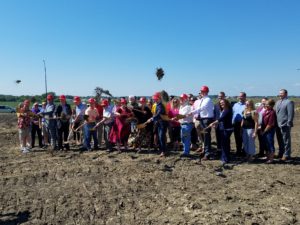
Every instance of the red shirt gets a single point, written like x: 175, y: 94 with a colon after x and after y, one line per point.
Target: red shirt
x: 100, y: 111
x: 269, y: 118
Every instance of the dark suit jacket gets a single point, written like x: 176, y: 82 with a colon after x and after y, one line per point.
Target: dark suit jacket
x: 59, y: 111
x: 285, y: 112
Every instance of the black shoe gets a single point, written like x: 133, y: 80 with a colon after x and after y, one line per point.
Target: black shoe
x: 183, y: 155
x: 260, y: 155
x: 82, y: 149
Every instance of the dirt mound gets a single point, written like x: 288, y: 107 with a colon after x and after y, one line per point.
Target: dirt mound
x: 129, y: 188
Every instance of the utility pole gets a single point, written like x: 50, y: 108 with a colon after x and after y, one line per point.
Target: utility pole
x: 45, y: 77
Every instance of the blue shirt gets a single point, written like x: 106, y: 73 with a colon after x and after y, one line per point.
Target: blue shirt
x: 80, y: 109
x: 49, y: 111
x: 238, y: 109
x: 160, y: 110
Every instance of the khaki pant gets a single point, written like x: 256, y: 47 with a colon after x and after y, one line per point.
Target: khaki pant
x: 25, y: 136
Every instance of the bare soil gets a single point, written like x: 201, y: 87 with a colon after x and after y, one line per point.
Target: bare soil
x: 130, y: 188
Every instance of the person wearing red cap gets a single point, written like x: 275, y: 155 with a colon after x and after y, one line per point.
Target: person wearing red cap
x: 78, y: 120
x: 161, y: 124
x: 186, y: 122
x: 89, y: 130
x: 99, y: 108
x: 50, y: 122
x: 121, y: 128
x: 107, y: 121
x: 203, y: 110
x: 63, y: 114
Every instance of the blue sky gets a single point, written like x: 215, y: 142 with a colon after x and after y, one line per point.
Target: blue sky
x: 228, y: 45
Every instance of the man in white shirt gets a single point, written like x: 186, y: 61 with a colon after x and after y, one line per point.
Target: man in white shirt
x: 108, y: 121
x: 203, y: 110
x: 186, y: 123
x: 89, y: 130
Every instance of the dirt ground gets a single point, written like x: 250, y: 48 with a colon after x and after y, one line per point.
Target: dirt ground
x: 130, y: 188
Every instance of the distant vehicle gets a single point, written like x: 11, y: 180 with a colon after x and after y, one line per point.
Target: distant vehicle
x: 6, y: 109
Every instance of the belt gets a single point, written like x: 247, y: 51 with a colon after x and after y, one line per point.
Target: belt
x: 187, y: 123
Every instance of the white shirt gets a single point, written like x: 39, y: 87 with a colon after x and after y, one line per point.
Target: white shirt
x: 185, y: 109
x: 108, y: 114
x: 204, y: 107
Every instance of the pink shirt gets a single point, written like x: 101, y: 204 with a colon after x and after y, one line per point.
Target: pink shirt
x: 92, y: 113
x: 172, y: 113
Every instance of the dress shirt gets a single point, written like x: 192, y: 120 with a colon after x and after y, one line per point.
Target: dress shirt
x: 80, y: 109
x: 204, y: 107
x: 185, y: 109
x: 238, y: 109
x: 108, y: 114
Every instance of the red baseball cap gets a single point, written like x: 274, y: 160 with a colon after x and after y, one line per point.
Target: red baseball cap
x: 76, y: 99
x: 92, y: 101
x: 62, y: 97
x: 156, y: 96
x: 184, y: 97
x: 204, y: 89
x: 104, y: 102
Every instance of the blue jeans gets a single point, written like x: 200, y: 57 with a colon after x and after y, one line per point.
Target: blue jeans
x: 268, y: 138
x: 52, y: 130
x: 88, y: 134
x: 225, y: 145
x: 162, y: 128
x: 186, y: 137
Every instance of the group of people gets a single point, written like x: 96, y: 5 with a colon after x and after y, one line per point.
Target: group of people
x: 188, y: 121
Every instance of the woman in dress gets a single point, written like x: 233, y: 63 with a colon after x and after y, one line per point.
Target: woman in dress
x: 121, y: 128
x: 249, y: 125
x: 24, y: 118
